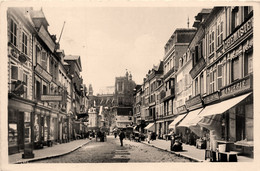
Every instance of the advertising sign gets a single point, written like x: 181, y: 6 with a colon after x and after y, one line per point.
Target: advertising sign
x: 51, y: 98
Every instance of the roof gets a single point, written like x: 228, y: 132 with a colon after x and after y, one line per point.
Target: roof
x: 38, y: 14
x: 71, y: 57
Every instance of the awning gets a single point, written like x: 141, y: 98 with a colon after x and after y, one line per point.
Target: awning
x: 150, y: 127
x: 176, y: 121
x: 187, y: 121
x: 223, y: 106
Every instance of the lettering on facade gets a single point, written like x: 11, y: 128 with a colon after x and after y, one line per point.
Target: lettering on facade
x: 43, y: 73
x: 194, y: 102
x: 237, y: 87
x: 51, y: 98
x: 182, y: 109
x: 211, y: 98
x: 198, y: 67
x: 239, y: 33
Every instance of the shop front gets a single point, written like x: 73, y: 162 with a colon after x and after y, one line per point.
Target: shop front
x: 42, y: 127
x: 189, y: 130
x: 231, y: 120
x: 20, y: 124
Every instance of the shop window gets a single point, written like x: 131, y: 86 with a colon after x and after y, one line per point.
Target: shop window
x: 13, y: 33
x: 12, y: 128
x: 249, y: 122
x: 27, y: 127
x: 235, y: 73
x: 240, y: 123
x: 219, y: 77
x: 248, y: 63
x: 24, y: 43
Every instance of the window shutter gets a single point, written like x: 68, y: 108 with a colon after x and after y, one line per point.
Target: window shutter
x: 20, y: 74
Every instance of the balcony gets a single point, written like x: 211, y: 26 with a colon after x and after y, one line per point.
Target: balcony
x: 166, y: 75
x: 169, y: 94
x: 149, y: 118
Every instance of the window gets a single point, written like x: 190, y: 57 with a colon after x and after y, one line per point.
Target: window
x: 38, y: 55
x: 247, y: 11
x: 44, y: 90
x: 44, y: 60
x: 120, y: 86
x: 25, y: 81
x: 235, y: 18
x: 219, y: 33
x: 220, y: 73
x: 201, y: 84
x: 14, y: 72
x: 13, y: 33
x: 38, y: 90
x: 235, y: 69
x: 211, y: 42
x: 212, y: 78
x: 24, y: 43
x: 248, y: 63
x: 196, y: 87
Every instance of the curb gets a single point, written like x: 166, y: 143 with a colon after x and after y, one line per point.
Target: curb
x: 177, y: 154
x: 49, y: 157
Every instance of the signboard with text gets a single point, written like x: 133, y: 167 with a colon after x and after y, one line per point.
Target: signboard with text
x: 194, y: 102
x: 182, y: 109
x: 211, y: 98
x: 237, y: 87
x: 51, y: 98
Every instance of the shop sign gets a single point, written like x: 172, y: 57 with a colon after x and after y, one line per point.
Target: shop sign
x: 51, y: 98
x: 237, y: 87
x: 246, y: 27
x: 182, y: 109
x: 211, y: 98
x: 194, y: 102
x: 43, y: 73
x: 198, y: 67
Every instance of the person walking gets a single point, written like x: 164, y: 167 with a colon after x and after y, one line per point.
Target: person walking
x: 149, y: 136
x: 121, y: 137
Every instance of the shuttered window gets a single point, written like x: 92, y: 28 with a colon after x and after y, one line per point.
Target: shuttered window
x: 220, y: 73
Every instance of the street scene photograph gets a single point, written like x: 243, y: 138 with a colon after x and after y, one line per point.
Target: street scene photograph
x: 129, y: 84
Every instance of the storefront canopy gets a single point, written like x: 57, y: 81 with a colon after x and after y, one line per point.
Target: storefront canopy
x: 176, y: 121
x: 223, y: 106
x: 187, y: 121
x: 150, y: 127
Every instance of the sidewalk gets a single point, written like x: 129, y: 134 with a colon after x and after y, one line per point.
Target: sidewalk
x: 189, y: 151
x: 49, y: 152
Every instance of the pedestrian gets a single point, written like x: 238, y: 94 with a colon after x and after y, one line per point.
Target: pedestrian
x: 149, y: 136
x: 121, y: 137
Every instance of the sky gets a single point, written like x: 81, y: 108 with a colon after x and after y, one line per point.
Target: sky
x: 111, y: 40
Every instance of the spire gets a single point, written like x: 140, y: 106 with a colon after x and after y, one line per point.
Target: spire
x: 126, y: 74
x: 188, y: 23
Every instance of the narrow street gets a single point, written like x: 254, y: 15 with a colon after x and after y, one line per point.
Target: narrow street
x: 111, y: 152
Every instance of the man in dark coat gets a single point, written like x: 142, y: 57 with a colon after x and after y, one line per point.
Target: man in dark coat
x: 121, y: 137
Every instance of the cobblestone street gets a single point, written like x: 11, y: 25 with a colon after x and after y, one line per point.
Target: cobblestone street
x: 111, y: 151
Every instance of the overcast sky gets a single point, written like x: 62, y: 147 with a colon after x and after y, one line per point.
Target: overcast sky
x: 113, y: 39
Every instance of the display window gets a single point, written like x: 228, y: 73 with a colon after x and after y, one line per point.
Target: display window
x: 12, y: 134
x: 36, y: 128
x: 27, y: 127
